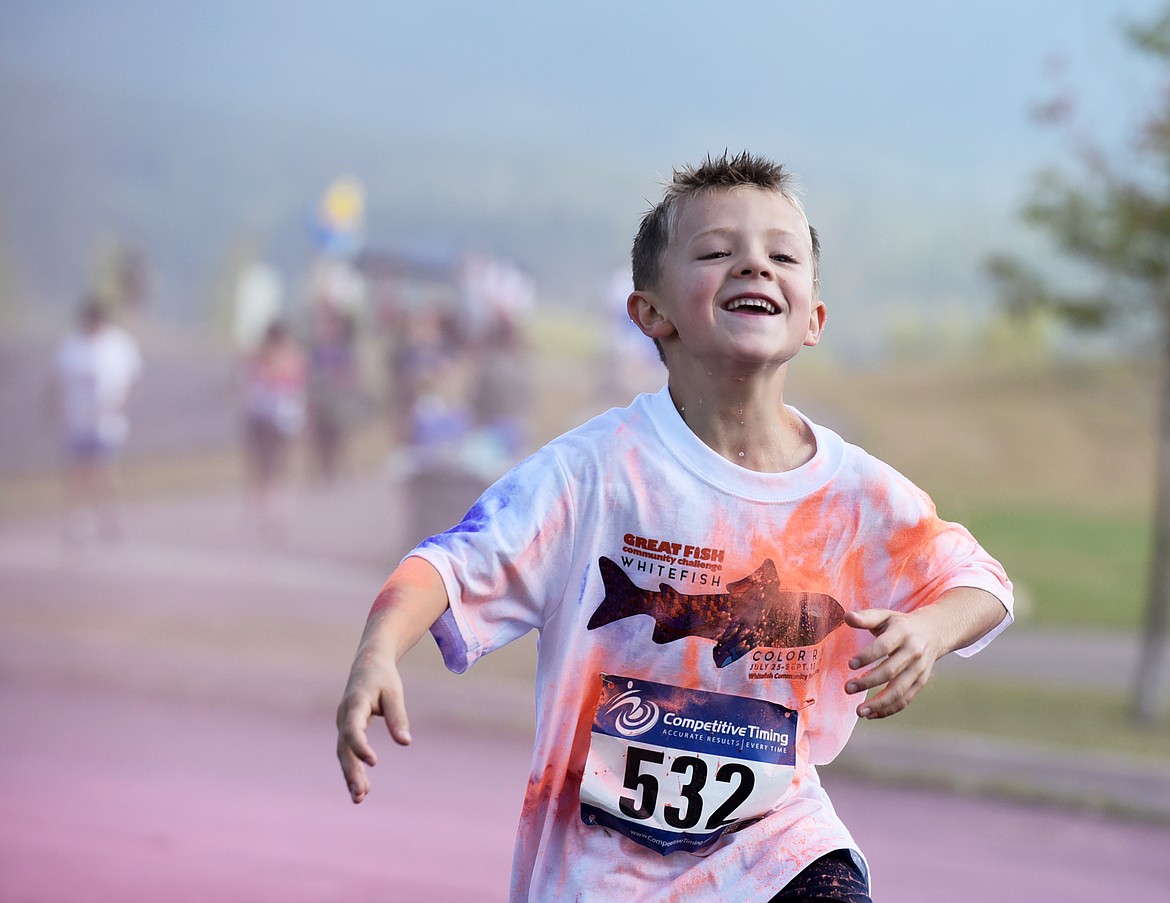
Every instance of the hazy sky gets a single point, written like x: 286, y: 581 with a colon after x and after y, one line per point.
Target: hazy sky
x: 937, y: 85
x: 918, y: 105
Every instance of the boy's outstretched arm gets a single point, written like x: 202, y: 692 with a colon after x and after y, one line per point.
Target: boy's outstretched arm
x: 409, y: 603
x: 907, y: 645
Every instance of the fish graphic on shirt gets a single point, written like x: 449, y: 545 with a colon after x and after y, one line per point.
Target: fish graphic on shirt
x: 754, y: 613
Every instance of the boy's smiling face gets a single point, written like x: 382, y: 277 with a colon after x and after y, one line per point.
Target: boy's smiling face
x: 736, y: 284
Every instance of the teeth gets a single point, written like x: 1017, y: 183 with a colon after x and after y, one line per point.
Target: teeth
x: 751, y: 302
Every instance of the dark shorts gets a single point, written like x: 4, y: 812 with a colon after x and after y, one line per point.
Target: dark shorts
x: 89, y: 447
x: 268, y: 448
x: 834, y: 877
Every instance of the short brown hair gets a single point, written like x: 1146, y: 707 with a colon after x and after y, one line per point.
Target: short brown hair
x: 714, y: 173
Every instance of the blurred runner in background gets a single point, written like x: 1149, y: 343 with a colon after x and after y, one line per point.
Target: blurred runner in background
x: 95, y: 369
x: 333, y: 389
x: 627, y: 364
x: 275, y: 383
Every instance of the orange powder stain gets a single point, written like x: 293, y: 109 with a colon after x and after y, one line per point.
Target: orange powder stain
x: 561, y: 775
x: 909, y: 547
x: 583, y: 731
x: 635, y: 467
x: 538, y: 796
x: 415, y: 577
x: 818, y: 550
x: 690, y: 673
x: 725, y: 531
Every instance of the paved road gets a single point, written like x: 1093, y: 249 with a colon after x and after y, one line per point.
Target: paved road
x: 165, y: 733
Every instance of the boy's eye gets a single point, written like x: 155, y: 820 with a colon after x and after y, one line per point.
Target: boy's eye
x: 712, y: 255
x: 784, y: 258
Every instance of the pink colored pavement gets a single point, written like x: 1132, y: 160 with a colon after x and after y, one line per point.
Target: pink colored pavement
x: 110, y: 795
x: 166, y: 734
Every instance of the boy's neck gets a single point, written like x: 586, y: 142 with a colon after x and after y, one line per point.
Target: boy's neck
x: 745, y: 420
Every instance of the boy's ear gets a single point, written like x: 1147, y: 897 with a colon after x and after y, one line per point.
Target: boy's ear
x: 816, y: 322
x: 643, y: 310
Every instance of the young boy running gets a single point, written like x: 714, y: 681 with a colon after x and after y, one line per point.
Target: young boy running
x: 717, y: 581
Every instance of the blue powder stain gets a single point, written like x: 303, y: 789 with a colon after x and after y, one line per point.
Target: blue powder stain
x: 475, y: 520
x: 479, y: 516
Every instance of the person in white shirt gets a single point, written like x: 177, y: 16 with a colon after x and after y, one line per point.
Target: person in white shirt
x: 95, y: 371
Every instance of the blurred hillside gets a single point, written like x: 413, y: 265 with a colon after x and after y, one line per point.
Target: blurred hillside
x: 977, y: 434
x: 191, y: 188
x: 195, y: 190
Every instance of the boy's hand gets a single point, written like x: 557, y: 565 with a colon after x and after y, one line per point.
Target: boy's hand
x: 409, y: 603
x: 374, y: 689
x: 907, y: 645
x: 905, y: 652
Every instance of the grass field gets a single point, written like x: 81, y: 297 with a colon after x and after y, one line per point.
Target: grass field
x: 1084, y: 720
x: 1073, y: 569
x: 1050, y: 467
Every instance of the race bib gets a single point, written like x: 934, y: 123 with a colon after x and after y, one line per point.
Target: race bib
x: 675, y: 769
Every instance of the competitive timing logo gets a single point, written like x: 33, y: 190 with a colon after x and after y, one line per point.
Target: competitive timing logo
x: 631, y: 714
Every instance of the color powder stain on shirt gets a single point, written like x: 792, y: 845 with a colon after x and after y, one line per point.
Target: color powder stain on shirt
x: 831, y: 529
x: 690, y: 672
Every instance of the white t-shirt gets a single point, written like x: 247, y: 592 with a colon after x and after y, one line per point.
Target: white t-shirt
x: 692, y: 655
x: 95, y: 373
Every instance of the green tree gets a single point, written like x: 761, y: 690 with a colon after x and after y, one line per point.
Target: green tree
x: 1112, y: 219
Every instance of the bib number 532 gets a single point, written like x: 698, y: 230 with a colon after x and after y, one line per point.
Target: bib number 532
x: 685, y: 810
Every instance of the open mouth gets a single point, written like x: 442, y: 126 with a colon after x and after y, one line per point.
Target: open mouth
x: 752, y: 305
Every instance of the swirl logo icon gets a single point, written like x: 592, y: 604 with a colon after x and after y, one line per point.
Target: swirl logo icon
x: 631, y: 714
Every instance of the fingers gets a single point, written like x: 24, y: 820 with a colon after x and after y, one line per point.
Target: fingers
x: 354, y: 751
x: 394, y: 714
x: 894, y: 697
x: 354, y: 772
x: 877, y: 622
x: 883, y: 674
x: 358, y: 708
x: 904, y: 663
x: 871, y: 619
x: 353, y: 718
